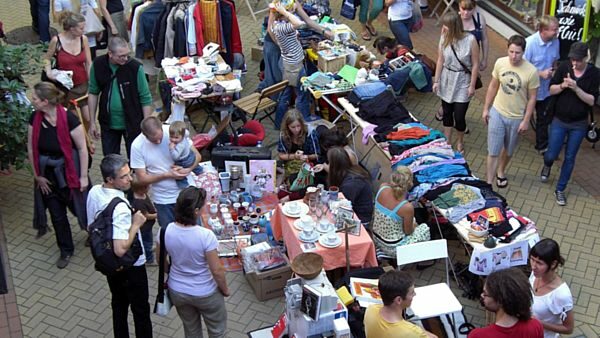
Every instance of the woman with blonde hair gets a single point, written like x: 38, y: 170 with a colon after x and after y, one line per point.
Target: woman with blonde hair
x: 71, y: 51
x: 456, y: 75
x: 393, y: 217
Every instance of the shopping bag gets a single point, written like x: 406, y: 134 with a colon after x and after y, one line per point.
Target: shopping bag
x: 304, y: 178
x: 92, y: 22
x: 348, y: 10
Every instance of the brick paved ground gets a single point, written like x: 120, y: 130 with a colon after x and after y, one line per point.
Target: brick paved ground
x: 75, y: 301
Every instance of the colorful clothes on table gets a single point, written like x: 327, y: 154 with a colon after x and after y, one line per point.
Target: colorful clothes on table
x: 388, y: 229
x: 408, y: 134
x: 460, y: 201
x: 433, y: 135
x: 418, y: 168
x: 443, y: 171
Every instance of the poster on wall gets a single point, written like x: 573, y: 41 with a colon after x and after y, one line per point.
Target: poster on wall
x: 573, y: 22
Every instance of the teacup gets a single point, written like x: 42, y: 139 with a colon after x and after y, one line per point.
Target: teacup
x: 293, y: 208
x: 308, y: 231
x: 324, y: 225
x: 306, y: 221
x: 331, y: 237
x: 253, y: 219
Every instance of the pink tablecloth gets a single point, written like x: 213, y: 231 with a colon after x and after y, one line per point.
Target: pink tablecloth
x: 362, y: 249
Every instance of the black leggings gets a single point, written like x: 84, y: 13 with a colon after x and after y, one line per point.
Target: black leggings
x: 454, y: 115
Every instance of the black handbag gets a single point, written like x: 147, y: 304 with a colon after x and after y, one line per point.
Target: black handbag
x: 478, y: 83
x: 348, y: 10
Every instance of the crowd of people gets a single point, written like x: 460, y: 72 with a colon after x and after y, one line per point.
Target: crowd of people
x: 528, y: 82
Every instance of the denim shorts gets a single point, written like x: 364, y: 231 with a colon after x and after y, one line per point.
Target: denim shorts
x: 503, y: 132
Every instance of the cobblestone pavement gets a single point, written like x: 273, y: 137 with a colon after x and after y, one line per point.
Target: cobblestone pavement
x: 74, y: 302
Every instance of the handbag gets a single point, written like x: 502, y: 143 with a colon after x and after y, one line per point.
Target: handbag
x: 348, y: 10
x: 162, y: 305
x: 478, y: 83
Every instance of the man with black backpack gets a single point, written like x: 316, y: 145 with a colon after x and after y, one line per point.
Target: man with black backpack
x: 124, y: 267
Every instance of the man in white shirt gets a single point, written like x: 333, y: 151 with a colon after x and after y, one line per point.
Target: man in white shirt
x: 154, y: 166
x: 128, y: 287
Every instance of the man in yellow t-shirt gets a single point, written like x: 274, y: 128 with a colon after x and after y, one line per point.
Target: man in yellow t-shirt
x: 513, y: 89
x: 397, y: 289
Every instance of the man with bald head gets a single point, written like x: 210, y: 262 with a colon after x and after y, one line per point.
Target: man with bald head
x: 154, y: 166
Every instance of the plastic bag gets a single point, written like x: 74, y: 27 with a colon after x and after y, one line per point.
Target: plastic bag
x: 92, y: 22
x: 304, y: 178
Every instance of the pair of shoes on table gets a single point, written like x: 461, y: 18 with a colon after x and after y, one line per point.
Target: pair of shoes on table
x: 63, y: 261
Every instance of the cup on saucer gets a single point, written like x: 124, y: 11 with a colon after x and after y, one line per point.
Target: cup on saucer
x: 306, y: 221
x: 293, y: 208
x: 308, y: 232
x: 331, y: 238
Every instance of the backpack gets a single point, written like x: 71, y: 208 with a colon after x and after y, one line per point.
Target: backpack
x: 101, y: 243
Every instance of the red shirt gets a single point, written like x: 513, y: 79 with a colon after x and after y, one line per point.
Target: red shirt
x: 522, y: 329
x: 76, y: 63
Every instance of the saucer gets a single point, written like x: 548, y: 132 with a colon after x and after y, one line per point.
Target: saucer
x: 323, y: 231
x: 323, y: 241
x: 302, y: 210
x: 299, y: 225
x: 312, y: 239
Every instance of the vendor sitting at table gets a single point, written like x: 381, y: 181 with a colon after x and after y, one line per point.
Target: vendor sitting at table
x: 418, y: 74
x: 330, y: 138
x: 393, y: 219
x: 296, y: 144
x: 353, y: 181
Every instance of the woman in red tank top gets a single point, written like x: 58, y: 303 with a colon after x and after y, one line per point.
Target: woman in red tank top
x: 72, y: 52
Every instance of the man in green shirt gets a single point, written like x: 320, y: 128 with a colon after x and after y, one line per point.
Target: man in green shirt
x: 118, y: 87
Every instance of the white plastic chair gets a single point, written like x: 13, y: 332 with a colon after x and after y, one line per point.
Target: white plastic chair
x: 436, y: 299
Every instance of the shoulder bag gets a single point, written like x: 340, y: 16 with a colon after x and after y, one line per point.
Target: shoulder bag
x: 163, y: 304
x: 478, y: 83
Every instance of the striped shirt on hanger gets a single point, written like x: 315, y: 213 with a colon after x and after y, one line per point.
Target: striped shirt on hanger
x: 287, y: 37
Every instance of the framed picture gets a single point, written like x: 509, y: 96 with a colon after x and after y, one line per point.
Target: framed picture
x: 241, y: 164
x: 262, y: 173
x: 353, y: 225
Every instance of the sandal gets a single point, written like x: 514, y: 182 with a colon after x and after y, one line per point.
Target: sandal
x: 501, y: 182
x: 460, y: 148
x: 371, y: 30
x: 439, y: 115
x: 366, y: 35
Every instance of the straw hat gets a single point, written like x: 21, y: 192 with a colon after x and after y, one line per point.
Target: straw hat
x: 307, y: 265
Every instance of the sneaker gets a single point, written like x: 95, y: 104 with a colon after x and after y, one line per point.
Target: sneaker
x: 63, y: 261
x: 561, y: 199
x: 542, y: 151
x: 545, y: 174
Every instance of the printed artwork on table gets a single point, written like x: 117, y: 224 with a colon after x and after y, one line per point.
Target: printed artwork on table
x: 480, y: 265
x: 262, y: 173
x: 210, y: 182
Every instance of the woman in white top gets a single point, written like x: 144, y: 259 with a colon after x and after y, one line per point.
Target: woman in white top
x: 197, y: 283
x: 400, y: 18
x: 455, y: 75
x: 552, y: 299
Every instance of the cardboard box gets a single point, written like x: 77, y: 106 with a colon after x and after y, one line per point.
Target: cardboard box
x: 332, y: 65
x: 269, y: 284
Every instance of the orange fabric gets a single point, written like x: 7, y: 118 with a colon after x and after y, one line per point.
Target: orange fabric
x: 362, y: 249
x: 210, y: 21
x: 408, y: 133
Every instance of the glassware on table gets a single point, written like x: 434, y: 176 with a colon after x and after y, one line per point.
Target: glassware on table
x: 313, y: 204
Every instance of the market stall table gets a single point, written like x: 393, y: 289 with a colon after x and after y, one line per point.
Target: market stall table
x: 362, y: 249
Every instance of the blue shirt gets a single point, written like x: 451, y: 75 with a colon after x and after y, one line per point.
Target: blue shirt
x: 542, y: 55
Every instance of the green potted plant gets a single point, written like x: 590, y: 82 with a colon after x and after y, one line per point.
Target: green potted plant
x: 15, y: 62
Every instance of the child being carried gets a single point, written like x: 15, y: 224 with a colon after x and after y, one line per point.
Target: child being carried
x: 180, y: 149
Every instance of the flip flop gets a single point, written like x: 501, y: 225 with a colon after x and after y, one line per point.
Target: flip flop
x: 439, y: 115
x: 371, y: 30
x: 501, y: 182
x: 461, y: 149
x: 366, y: 35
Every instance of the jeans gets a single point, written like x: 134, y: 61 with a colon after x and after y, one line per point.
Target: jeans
x: 401, y: 31
x: 542, y: 121
x: 40, y: 18
x: 272, y: 58
x: 130, y: 288
x: 57, y: 202
x: 147, y: 241
x: 192, y: 309
x: 111, y: 141
x: 574, y: 135
x: 302, y: 101
x: 165, y: 214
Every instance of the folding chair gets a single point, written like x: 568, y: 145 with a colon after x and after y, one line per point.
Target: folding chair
x: 259, y: 102
x: 436, y: 299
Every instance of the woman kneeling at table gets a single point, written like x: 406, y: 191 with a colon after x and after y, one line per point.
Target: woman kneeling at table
x: 197, y: 283
x: 393, y: 217
x: 353, y: 181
